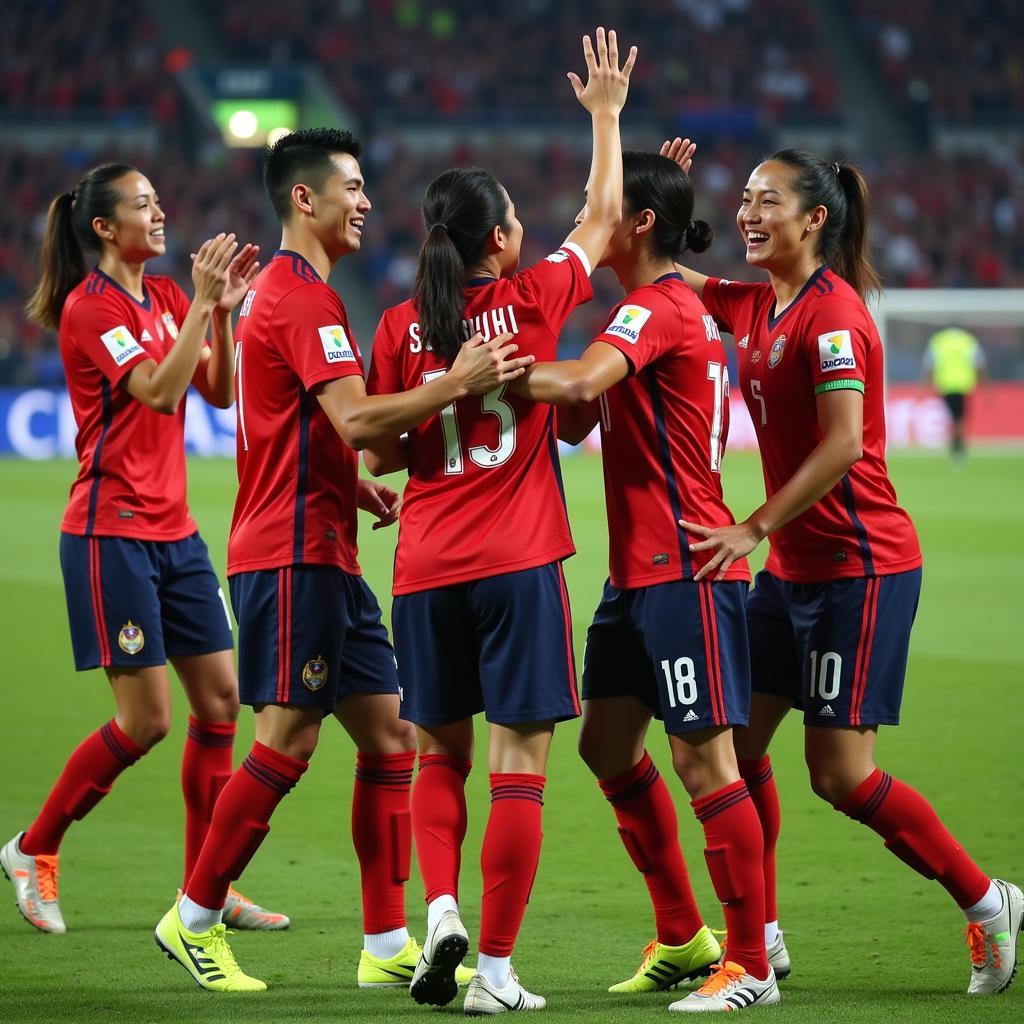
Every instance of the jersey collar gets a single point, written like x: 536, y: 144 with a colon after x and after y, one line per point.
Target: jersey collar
x: 773, y: 321
x: 478, y: 282
x: 144, y: 303
x: 673, y: 275
x: 300, y: 264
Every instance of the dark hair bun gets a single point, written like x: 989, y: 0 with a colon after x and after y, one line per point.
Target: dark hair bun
x: 698, y: 236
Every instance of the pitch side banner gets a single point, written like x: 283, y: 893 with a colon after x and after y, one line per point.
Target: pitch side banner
x: 37, y: 423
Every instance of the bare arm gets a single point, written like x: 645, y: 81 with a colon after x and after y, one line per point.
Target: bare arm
x: 388, y: 455
x: 841, y: 418
x: 161, y: 386
x: 604, y: 96
x: 574, y: 381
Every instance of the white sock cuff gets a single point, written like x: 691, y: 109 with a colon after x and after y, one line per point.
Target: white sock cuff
x: 987, y: 907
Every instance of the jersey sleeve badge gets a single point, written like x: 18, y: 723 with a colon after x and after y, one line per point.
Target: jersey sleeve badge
x: 337, y: 347
x: 629, y: 323
x: 121, y: 344
x: 835, y: 351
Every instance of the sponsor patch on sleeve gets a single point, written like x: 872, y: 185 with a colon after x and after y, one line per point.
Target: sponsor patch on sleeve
x: 835, y: 351
x: 121, y: 344
x: 337, y: 347
x: 629, y: 322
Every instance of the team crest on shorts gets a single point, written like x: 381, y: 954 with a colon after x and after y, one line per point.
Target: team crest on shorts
x: 314, y: 673
x: 775, y: 356
x: 131, y: 639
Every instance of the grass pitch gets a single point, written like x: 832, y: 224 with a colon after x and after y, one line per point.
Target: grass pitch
x: 870, y: 940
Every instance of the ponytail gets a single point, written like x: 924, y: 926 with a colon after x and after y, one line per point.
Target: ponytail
x: 843, y: 191
x: 460, y: 209
x: 69, y: 232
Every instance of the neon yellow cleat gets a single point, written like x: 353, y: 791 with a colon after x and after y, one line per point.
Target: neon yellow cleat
x: 205, y: 955
x: 665, y: 967
x: 398, y: 971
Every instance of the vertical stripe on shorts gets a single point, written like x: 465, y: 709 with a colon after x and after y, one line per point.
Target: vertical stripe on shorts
x: 711, y: 652
x: 96, y: 593
x: 867, y: 636
x: 284, y: 634
x: 570, y: 654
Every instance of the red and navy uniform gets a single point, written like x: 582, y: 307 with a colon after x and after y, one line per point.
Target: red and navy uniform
x: 309, y: 627
x: 484, y: 502
x: 679, y: 646
x: 844, y: 575
x: 137, y: 576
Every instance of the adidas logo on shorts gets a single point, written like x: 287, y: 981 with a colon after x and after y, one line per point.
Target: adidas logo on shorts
x: 827, y: 711
x: 690, y: 716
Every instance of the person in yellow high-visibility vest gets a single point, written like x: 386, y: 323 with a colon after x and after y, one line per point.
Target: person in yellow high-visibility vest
x: 954, y: 361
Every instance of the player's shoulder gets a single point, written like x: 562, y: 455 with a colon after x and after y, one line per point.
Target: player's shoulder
x: 830, y: 295
x: 727, y: 289
x: 94, y: 297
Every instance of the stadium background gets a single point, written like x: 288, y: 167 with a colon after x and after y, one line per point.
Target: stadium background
x: 927, y: 96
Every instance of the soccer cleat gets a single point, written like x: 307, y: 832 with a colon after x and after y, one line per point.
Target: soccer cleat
x: 729, y: 988
x: 205, y: 955
x: 993, y: 944
x: 665, y: 967
x: 482, y: 998
x: 35, y: 886
x: 778, y: 958
x: 434, y: 978
x: 240, y: 912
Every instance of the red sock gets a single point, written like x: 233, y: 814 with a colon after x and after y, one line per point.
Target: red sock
x: 382, y: 836
x: 205, y: 770
x: 649, y: 831
x: 760, y: 781
x: 734, y: 853
x: 509, y: 858
x: 439, y: 821
x: 87, y: 777
x: 912, y: 830
x: 240, y: 822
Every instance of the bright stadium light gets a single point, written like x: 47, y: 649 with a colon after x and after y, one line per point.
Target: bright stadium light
x: 243, y: 124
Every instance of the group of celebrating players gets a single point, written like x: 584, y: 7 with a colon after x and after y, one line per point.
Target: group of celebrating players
x: 465, y: 393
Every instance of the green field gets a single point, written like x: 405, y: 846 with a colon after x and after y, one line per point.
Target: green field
x: 870, y: 940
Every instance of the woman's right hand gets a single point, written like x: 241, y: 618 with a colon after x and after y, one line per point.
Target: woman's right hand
x: 482, y: 366
x: 607, y: 86
x: 210, y: 269
x: 680, y: 151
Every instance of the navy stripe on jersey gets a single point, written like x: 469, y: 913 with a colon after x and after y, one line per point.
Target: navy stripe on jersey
x: 556, y: 462
x: 94, y: 493
x: 105, y: 278
x: 773, y: 321
x: 301, y: 267
x: 675, y: 503
x: 303, y: 472
x: 858, y: 526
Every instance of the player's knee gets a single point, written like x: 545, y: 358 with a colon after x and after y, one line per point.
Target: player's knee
x: 147, y: 729
x: 831, y: 783
x: 693, y: 772
x: 589, y: 751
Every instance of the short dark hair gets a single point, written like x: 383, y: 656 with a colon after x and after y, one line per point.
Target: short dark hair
x: 303, y: 156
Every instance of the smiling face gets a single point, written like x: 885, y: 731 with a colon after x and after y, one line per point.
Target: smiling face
x: 136, y: 231
x: 340, y: 207
x: 777, y: 232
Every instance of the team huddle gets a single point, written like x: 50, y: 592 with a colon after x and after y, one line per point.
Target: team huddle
x: 465, y: 393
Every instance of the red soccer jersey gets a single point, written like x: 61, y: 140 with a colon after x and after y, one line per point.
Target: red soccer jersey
x: 297, y: 480
x: 485, y: 491
x: 131, y: 476
x: 825, y: 340
x: 663, y: 432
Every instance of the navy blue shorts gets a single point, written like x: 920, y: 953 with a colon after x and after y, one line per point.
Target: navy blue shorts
x: 136, y: 603
x: 501, y: 645
x: 309, y: 635
x: 680, y: 647
x: 838, y: 649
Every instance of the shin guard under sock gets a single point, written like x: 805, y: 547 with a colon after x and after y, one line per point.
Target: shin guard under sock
x: 439, y: 821
x: 205, y: 770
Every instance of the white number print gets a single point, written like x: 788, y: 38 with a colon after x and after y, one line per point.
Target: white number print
x: 680, y: 682
x: 238, y: 391
x: 755, y: 391
x: 481, y: 455
x: 826, y: 675
x: 719, y: 377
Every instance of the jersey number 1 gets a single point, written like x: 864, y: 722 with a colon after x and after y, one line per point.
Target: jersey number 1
x: 481, y: 455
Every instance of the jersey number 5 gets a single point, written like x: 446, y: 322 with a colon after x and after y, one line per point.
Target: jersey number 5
x: 481, y: 455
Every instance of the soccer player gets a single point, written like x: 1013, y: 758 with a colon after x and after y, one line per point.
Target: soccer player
x: 831, y: 614
x: 481, y: 611
x: 662, y: 644
x: 954, y: 362
x: 311, y: 641
x: 139, y: 584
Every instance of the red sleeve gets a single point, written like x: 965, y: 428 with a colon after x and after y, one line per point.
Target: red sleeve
x: 723, y: 299
x: 100, y: 333
x: 312, y: 334
x: 385, y: 376
x: 835, y: 343
x: 558, y: 284
x: 642, y: 332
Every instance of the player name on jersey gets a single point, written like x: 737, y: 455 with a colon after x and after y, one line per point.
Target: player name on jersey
x: 490, y: 323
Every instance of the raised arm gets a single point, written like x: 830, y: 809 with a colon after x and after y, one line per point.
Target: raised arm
x: 603, y: 96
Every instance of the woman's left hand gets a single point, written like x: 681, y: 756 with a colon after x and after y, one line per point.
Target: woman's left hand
x: 241, y: 271
x: 379, y: 500
x: 728, y: 543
